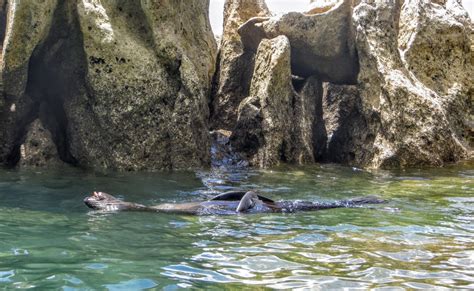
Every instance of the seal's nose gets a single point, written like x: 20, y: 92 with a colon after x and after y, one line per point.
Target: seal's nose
x: 87, y: 201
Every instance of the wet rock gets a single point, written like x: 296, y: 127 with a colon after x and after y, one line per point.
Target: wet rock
x: 235, y: 65
x: 322, y: 43
x: 222, y: 153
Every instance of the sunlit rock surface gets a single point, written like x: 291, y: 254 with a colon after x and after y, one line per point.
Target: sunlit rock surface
x: 411, y: 102
x: 322, y: 44
x: 234, y: 64
x: 127, y: 85
x: 416, y: 125
x: 127, y: 82
x: 320, y: 6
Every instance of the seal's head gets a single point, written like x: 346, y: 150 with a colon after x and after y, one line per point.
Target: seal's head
x: 103, y: 201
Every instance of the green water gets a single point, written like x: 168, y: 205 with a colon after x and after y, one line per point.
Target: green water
x: 423, y: 238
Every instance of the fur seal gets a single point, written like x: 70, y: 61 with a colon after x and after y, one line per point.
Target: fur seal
x: 227, y: 203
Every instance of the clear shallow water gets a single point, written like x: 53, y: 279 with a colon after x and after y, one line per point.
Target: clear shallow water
x: 423, y: 238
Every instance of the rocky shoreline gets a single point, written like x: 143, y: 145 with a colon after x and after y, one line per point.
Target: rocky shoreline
x: 128, y: 85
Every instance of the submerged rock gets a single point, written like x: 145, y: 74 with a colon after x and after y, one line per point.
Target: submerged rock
x: 235, y: 65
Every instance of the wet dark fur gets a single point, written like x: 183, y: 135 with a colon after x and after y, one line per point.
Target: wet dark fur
x: 224, y: 204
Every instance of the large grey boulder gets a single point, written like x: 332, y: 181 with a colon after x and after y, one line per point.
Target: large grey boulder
x: 350, y: 130
x: 125, y: 83
x: 235, y: 65
x: 149, y: 74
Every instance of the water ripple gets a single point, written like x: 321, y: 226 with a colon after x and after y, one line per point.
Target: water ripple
x: 49, y: 240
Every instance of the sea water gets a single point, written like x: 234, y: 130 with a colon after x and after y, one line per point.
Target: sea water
x: 422, y: 238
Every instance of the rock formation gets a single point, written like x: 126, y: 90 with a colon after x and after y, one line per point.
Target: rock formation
x: 125, y: 84
x: 275, y: 123
x: 38, y: 149
x: 407, y: 101
x: 416, y: 125
x: 234, y: 65
x: 322, y: 44
x: 350, y: 132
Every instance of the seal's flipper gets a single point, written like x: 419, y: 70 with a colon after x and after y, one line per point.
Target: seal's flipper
x: 238, y: 195
x: 230, y: 196
x: 247, y: 202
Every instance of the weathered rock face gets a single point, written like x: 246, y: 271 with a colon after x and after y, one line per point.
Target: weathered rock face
x: 262, y: 128
x: 126, y: 83
x: 275, y: 124
x: 28, y: 24
x: 149, y: 74
x: 235, y: 66
x: 410, y: 105
x: 322, y: 43
x: 435, y: 46
x: 416, y: 126
x: 350, y: 131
